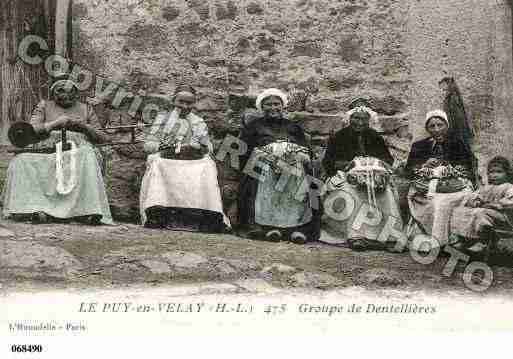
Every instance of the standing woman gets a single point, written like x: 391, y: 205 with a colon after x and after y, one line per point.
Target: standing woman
x: 440, y: 168
x: 274, y: 198
x: 180, y: 190
x: 68, y: 183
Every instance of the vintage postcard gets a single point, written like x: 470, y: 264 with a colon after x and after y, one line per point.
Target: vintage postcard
x: 304, y: 171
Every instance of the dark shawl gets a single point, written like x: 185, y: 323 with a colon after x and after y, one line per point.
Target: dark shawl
x: 459, y: 123
x: 258, y: 131
x: 343, y: 146
x: 455, y: 152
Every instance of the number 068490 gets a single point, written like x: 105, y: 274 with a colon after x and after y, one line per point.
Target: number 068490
x: 23, y: 348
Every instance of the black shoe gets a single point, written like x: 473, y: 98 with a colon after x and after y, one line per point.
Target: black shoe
x: 153, y: 223
x: 251, y: 232
x: 298, y: 238
x: 155, y: 217
x: 39, y: 218
x: 364, y: 244
x: 273, y: 236
x: 94, y: 220
x: 356, y: 245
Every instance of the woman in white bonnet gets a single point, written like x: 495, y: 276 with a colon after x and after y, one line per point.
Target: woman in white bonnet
x: 180, y: 190
x: 357, y: 163
x: 441, y: 169
x: 65, y: 184
x: 271, y: 209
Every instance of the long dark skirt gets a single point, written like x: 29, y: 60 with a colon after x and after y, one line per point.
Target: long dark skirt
x: 185, y: 219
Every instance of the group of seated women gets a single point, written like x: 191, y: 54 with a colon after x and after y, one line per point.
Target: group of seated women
x: 281, y: 195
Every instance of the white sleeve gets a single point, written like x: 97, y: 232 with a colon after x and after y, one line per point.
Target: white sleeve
x: 153, y: 136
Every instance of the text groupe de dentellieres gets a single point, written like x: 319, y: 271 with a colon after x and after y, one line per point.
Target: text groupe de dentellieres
x: 369, y: 308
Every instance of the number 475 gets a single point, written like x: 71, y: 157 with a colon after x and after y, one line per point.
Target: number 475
x: 275, y: 309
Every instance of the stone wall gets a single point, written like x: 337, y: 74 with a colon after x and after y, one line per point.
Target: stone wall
x: 469, y: 40
x: 324, y: 52
x: 335, y: 48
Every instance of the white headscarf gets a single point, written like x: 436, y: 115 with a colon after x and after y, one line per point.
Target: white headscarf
x: 64, y: 82
x: 271, y: 92
x: 373, y: 115
x: 437, y: 113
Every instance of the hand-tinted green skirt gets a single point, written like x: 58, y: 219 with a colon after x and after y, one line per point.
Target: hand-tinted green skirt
x: 31, y: 186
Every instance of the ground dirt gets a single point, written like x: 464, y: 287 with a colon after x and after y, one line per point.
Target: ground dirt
x: 62, y: 256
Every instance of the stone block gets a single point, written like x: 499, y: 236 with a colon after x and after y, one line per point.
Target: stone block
x: 156, y: 267
x: 351, y: 9
x: 313, y: 280
x: 350, y: 48
x: 139, y: 79
x: 264, y: 64
x: 319, y: 124
x: 243, y: 45
x: 341, y: 82
x: 254, y: 8
x: 192, y: 31
x: 380, y: 277
x: 326, y: 105
x: 146, y: 37
x: 306, y: 48
x: 226, y: 11
x: 211, y: 103
x: 169, y: 13
x: 184, y: 259
x: 388, y: 105
x: 275, y: 28
x: 79, y: 11
x: 201, y: 7
x: 265, y: 43
x: 31, y: 259
x: 279, y: 268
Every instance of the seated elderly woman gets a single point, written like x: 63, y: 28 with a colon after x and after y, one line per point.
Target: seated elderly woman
x: 180, y: 190
x: 440, y: 168
x: 65, y: 184
x: 361, y: 204
x: 274, y: 199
